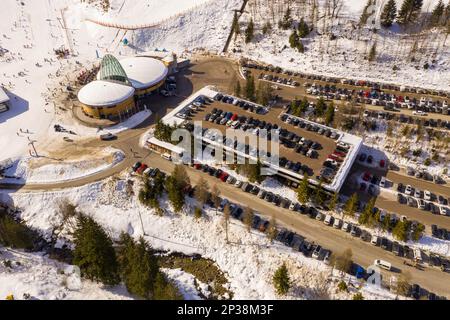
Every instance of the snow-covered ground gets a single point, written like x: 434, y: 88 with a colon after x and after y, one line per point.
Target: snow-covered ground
x: 33, y: 76
x: 36, y: 276
x: 34, y: 170
x: 248, y: 261
x: 347, y: 55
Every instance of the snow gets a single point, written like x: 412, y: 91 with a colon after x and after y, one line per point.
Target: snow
x: 248, y: 262
x: 101, y: 93
x: 345, y: 56
x: 185, y: 282
x: 30, y: 170
x: 41, y: 278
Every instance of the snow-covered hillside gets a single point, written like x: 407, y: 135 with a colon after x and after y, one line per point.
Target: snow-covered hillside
x: 347, y: 55
x: 248, y: 261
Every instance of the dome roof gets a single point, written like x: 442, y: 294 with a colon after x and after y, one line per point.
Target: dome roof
x: 101, y: 93
x: 111, y: 69
x: 144, y: 72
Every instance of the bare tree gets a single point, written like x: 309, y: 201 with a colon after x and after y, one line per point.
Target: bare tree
x: 202, y: 191
x: 248, y: 218
x: 226, y: 220
x: 215, y: 196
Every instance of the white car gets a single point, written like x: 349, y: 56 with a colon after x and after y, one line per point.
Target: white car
x: 443, y: 210
x: 421, y: 204
x: 374, y: 240
x: 383, y: 182
x: 337, y: 223
x: 417, y: 194
x: 408, y: 190
x: 427, y: 195
x: 419, y: 113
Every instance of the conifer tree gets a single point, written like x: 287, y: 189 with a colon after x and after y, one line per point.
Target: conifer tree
x: 350, y: 205
x: 250, y: 88
x: 409, y: 11
x: 281, y: 280
x: 215, y: 196
x: 237, y: 89
x: 389, y: 14
x: 138, y: 266
x: 320, y: 107
x: 437, y: 13
x: 303, y: 191
x: 373, y: 52
x: 249, y: 31
x: 94, y: 253
x: 329, y: 114
x: 271, y: 230
x: 286, y: 22
x: 303, y: 29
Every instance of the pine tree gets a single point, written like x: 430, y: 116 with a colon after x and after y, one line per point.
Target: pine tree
x: 249, y: 32
x: 286, y: 23
x: 303, y: 191
x: 165, y: 289
x: 138, y: 266
x: 350, y: 205
x: 15, y: 234
x: 409, y: 11
x: 94, y: 253
x: 437, y: 13
x: 303, y: 105
x: 248, y: 218
x: 294, y: 39
x: 198, y: 213
x: 320, y: 107
x: 255, y: 172
x: 235, y: 25
x: 373, y: 52
x: 389, y: 14
x: 281, y: 280
x: 237, y: 89
x: 264, y: 93
x: 303, y: 29
x: 250, y: 88
x: 400, y: 231
x: 364, y: 218
x: 329, y: 114
x: 334, y: 201
x: 266, y: 28
x: 319, y: 194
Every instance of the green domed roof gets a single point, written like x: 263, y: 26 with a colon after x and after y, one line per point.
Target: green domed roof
x: 111, y: 70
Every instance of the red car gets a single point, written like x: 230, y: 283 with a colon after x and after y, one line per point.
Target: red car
x: 335, y: 158
x: 197, y: 166
x: 339, y: 154
x: 367, y: 176
x: 382, y: 163
x: 224, y: 176
x: 234, y: 117
x: 141, y: 168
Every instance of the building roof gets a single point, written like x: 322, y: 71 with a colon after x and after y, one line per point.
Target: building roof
x: 166, y: 145
x: 111, y: 69
x: 101, y: 93
x: 3, y: 96
x: 144, y: 72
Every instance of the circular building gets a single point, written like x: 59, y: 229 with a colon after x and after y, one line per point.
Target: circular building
x: 105, y: 99
x: 119, y: 85
x: 145, y: 74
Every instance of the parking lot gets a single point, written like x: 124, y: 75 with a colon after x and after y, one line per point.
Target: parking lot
x: 327, y: 145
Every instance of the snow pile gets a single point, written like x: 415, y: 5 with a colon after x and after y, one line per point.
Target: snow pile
x: 248, y: 261
x: 36, y: 170
x: 185, y: 282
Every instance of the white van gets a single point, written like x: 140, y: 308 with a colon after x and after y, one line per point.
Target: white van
x: 383, y: 264
x: 328, y: 219
x: 166, y: 156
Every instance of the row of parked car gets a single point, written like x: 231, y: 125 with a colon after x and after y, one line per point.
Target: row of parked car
x: 245, y: 105
x: 288, y: 139
x: 309, y: 126
x: 279, y: 80
x: 424, y: 200
x: 424, y: 174
x: 402, y: 118
x: 196, y: 105
x: 359, y: 83
x: 440, y: 233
